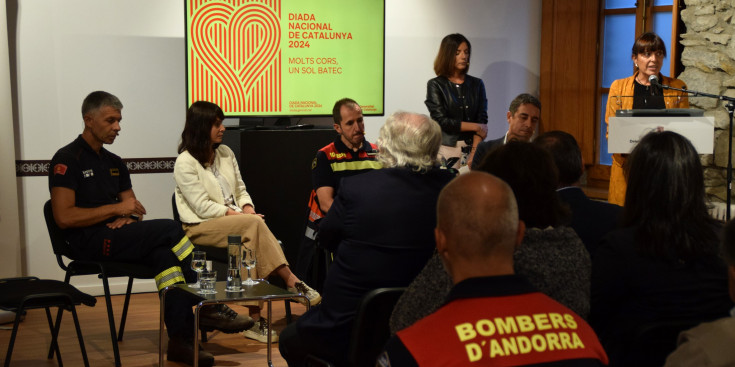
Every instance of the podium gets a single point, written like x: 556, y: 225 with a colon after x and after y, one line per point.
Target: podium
x: 624, y: 133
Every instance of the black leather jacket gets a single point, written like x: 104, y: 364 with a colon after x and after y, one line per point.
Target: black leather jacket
x: 443, y: 98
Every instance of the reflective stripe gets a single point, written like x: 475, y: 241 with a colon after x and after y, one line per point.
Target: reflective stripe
x: 315, y: 213
x: 183, y: 248
x: 169, y: 277
x: 310, y: 233
x: 355, y: 165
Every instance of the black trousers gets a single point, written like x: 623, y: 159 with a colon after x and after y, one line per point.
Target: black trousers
x: 155, y: 243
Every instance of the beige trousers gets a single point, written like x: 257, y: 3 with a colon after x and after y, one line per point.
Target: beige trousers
x: 254, y: 234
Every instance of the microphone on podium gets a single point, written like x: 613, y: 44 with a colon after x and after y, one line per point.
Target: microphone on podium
x: 653, y: 79
x: 655, y: 84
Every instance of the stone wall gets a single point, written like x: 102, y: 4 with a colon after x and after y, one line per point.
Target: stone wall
x: 709, y: 66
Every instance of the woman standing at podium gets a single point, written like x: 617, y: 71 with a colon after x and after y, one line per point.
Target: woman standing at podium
x: 636, y: 92
x: 457, y: 102
x: 213, y: 203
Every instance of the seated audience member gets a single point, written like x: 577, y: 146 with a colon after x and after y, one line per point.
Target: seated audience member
x: 381, y: 226
x: 524, y: 115
x: 662, y: 266
x: 213, y: 203
x: 552, y: 256
x: 591, y: 219
x: 492, y: 316
x: 710, y: 344
x: 93, y: 202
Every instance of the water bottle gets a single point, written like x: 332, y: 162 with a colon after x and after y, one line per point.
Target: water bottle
x: 234, y: 283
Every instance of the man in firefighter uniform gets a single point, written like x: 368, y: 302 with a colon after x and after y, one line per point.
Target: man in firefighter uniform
x: 349, y: 154
x: 492, y: 316
x: 93, y: 202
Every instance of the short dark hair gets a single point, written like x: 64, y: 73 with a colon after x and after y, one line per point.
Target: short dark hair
x: 197, y: 135
x: 99, y: 99
x: 648, y: 42
x: 336, y: 114
x: 566, y: 154
x: 444, y: 61
x: 530, y: 172
x: 522, y: 99
x: 670, y: 211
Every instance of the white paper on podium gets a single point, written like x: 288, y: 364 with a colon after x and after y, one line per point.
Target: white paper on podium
x: 625, y: 132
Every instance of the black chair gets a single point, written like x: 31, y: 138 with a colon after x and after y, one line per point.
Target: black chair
x: 20, y: 294
x: 218, y: 255
x: 370, y: 330
x: 103, y: 269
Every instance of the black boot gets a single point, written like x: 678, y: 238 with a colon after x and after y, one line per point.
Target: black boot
x: 181, y: 349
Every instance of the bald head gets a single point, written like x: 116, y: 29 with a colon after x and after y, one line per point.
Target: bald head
x: 478, y: 218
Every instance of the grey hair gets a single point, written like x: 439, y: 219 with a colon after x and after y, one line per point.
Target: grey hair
x: 99, y: 99
x: 409, y: 139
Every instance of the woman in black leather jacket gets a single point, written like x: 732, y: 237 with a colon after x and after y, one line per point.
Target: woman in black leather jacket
x: 457, y: 102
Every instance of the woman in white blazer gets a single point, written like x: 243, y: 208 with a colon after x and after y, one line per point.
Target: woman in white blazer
x: 213, y: 203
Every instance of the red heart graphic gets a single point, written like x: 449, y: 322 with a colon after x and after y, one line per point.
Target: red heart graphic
x: 236, y: 44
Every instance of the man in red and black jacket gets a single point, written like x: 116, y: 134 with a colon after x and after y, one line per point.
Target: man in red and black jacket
x: 349, y: 154
x: 492, y: 317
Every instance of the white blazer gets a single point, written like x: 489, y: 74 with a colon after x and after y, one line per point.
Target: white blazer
x: 198, y: 193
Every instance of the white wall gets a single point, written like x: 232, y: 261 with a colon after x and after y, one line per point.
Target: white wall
x: 135, y: 50
x: 9, y: 223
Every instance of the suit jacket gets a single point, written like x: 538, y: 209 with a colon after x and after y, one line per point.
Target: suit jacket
x: 590, y: 219
x: 382, y: 226
x: 484, y: 148
x: 706, y: 345
x: 198, y: 193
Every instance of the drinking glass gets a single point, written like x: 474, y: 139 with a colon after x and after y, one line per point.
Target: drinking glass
x: 198, y: 264
x: 248, y: 261
x: 209, y: 279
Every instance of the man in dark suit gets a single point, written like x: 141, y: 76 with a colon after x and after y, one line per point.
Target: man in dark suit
x: 381, y: 226
x: 523, y: 117
x: 591, y: 219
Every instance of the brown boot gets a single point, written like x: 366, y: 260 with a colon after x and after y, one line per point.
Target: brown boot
x: 222, y: 318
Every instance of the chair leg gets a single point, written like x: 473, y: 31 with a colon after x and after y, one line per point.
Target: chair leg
x: 111, y: 320
x: 289, y: 319
x: 67, y: 278
x: 54, y: 334
x: 18, y: 314
x: 79, y: 335
x: 125, y: 309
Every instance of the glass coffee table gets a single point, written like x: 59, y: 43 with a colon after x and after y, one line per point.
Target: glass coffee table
x: 262, y: 291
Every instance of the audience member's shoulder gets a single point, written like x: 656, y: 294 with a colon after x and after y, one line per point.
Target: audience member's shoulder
x: 443, y: 173
x: 621, y: 240
x: 707, y: 344
x: 553, y: 235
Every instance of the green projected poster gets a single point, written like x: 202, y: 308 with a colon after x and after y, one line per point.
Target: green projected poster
x: 285, y: 57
